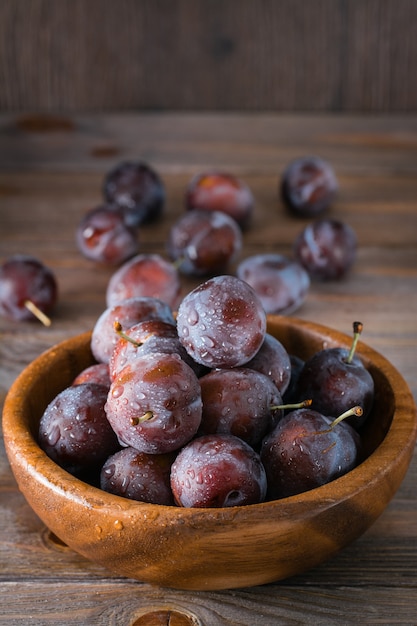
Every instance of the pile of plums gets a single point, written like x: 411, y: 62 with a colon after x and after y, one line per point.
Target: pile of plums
x: 206, y: 240
x: 205, y: 408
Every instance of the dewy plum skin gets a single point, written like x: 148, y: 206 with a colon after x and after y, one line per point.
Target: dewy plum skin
x: 28, y: 289
x: 222, y: 323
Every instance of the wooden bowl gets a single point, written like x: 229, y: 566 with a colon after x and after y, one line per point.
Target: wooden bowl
x: 207, y: 549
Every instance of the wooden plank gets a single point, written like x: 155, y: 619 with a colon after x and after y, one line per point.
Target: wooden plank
x: 49, y: 179
x: 286, y: 55
x: 245, y: 143
x: 101, y: 604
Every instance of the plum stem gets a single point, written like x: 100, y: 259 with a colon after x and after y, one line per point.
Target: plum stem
x: 357, y: 330
x: 35, y: 310
x: 134, y: 421
x: 297, y: 405
x: 119, y: 330
x: 145, y: 417
x: 356, y: 410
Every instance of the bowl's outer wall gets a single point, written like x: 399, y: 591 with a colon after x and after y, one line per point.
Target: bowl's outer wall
x: 210, y: 548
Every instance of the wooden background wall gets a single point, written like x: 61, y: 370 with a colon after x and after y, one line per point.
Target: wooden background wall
x: 276, y: 55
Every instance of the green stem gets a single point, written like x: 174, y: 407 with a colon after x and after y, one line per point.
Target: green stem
x: 298, y: 405
x: 119, y: 330
x: 356, y: 410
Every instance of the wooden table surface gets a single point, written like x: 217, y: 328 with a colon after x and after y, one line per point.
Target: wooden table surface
x: 51, y: 171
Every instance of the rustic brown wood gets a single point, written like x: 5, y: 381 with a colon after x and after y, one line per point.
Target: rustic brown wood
x: 187, y: 549
x: 276, y: 55
x: 49, y: 178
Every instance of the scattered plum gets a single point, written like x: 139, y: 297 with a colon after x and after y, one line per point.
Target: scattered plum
x: 280, y: 283
x: 219, y: 191
x: 147, y: 275
x: 138, y: 189
x: 28, y: 289
x: 308, y: 186
x: 204, y: 242
x: 326, y: 248
x: 102, y: 235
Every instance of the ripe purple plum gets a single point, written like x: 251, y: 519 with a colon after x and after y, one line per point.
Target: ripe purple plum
x: 148, y: 337
x: 74, y: 430
x: 131, y: 341
x: 221, y: 191
x: 139, y: 476
x: 154, y: 404
x: 273, y: 360
x: 336, y: 379
x: 308, y: 186
x: 102, y: 235
x: 137, y: 189
x: 306, y: 450
x: 28, y: 289
x: 280, y: 283
x: 291, y: 393
x: 204, y: 242
x: 97, y: 373
x: 127, y: 313
x: 221, y: 323
x: 326, y: 248
x: 218, y: 471
x: 147, y: 275
x: 239, y: 401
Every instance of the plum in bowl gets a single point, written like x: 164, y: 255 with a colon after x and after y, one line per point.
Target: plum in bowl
x: 222, y: 548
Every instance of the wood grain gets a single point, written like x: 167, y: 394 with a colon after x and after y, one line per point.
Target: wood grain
x: 48, y: 178
x: 263, y: 55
